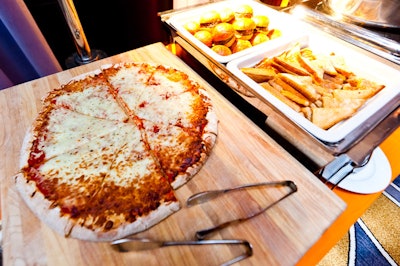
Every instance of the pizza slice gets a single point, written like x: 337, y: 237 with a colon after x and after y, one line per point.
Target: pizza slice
x: 175, y: 114
x: 181, y: 151
x: 138, y: 85
x: 130, y: 80
x: 135, y: 194
x: 104, y: 190
x: 187, y: 110
x: 168, y: 96
x: 65, y: 130
x: 90, y: 96
x: 170, y: 81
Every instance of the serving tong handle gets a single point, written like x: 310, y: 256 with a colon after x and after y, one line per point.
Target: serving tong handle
x: 139, y: 244
x: 340, y: 168
x: 208, y: 195
x: 360, y: 154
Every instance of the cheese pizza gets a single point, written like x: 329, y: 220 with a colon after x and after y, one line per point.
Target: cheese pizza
x: 106, y: 153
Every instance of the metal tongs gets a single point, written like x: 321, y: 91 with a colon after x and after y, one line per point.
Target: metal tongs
x: 138, y: 244
x: 208, y: 195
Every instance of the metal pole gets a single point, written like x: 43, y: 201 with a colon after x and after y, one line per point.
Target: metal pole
x: 84, y: 54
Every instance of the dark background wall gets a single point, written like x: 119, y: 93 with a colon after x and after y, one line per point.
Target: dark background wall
x: 113, y: 26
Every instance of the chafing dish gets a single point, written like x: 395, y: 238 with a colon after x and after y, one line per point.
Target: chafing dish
x: 320, y: 151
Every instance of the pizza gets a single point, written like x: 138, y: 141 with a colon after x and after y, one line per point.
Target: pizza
x: 106, y: 152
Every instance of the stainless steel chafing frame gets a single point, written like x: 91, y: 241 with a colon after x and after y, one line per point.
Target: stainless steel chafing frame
x: 335, y: 149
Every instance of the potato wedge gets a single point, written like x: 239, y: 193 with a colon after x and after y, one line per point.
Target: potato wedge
x: 303, y: 84
x: 290, y: 92
x: 312, y: 67
x: 292, y: 66
x: 275, y: 92
x: 259, y: 74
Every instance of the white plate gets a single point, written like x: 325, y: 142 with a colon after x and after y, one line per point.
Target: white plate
x: 359, y: 63
x: 278, y: 20
x: 374, y: 177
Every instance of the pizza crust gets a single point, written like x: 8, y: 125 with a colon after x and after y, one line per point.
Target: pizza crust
x: 53, y: 218
x: 39, y: 205
x: 25, y: 148
x: 209, y: 138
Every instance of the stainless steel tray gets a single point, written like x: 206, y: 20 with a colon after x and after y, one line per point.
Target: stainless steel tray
x: 354, y: 60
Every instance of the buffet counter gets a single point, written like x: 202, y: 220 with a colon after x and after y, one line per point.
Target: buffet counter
x: 256, y: 143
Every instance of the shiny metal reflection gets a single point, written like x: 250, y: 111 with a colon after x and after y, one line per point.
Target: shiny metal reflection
x: 369, y: 13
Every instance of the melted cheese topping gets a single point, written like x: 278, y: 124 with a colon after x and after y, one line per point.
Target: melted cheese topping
x: 88, y: 162
x: 164, y: 97
x: 175, y: 110
x: 108, y: 155
x: 175, y: 147
x: 67, y: 129
x: 86, y: 181
x: 94, y: 101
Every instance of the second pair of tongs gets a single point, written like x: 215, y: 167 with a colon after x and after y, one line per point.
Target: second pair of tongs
x: 208, y: 195
x: 138, y: 244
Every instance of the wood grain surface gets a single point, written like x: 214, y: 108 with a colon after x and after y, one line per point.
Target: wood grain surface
x: 243, y: 154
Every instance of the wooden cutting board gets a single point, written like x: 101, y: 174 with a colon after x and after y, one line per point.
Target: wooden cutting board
x: 243, y: 154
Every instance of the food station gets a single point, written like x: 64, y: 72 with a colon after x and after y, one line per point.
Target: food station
x: 334, y: 173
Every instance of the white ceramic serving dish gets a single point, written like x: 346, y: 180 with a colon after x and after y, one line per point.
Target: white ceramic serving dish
x: 282, y: 21
x: 359, y: 63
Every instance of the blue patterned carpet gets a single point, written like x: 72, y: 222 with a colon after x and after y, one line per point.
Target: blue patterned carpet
x: 375, y: 238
